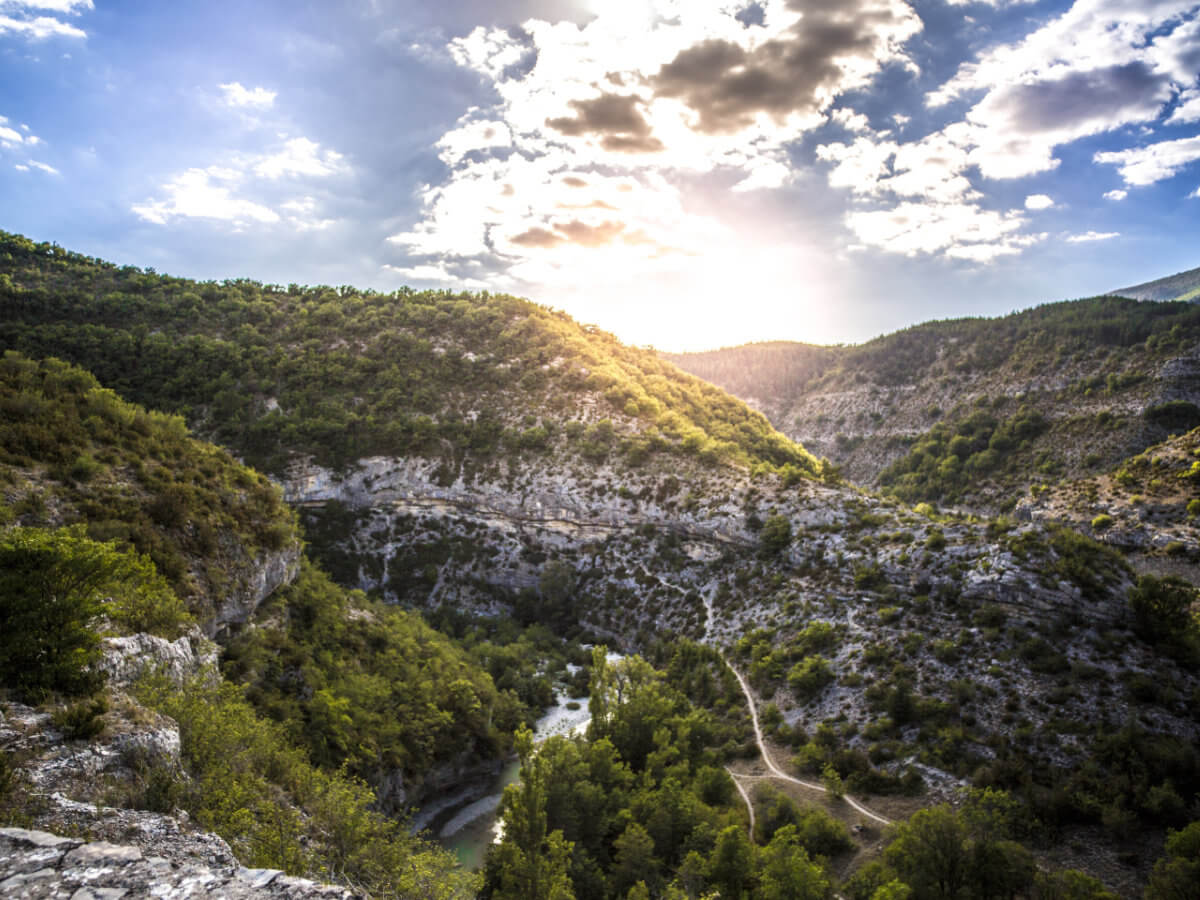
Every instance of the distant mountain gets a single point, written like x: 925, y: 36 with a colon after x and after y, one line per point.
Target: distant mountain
x: 973, y: 412
x: 1183, y: 286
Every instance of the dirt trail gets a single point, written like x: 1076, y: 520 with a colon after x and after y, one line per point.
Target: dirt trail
x: 776, y: 772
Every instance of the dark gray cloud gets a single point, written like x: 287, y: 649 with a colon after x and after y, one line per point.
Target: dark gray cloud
x: 537, y: 237
x: 615, y: 118
x: 727, y: 85
x: 586, y: 235
x: 574, y: 232
x: 1078, y: 99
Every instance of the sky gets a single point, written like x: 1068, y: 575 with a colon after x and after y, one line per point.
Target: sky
x: 687, y: 175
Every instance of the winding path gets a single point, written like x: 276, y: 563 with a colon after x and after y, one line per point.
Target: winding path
x: 776, y: 772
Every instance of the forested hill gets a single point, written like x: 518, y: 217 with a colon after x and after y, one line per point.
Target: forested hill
x: 1180, y: 286
x: 1097, y: 378
x: 342, y: 374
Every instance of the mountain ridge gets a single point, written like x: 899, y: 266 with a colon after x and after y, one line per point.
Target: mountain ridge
x: 1182, y: 286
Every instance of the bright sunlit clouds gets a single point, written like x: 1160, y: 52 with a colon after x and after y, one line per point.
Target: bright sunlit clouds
x: 685, y: 174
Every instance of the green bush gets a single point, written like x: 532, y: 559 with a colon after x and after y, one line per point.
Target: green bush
x: 1102, y: 522
x: 257, y: 791
x: 81, y: 721
x: 776, y: 535
x: 54, y: 586
x: 810, y: 676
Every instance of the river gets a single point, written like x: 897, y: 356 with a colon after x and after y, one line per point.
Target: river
x: 469, y: 828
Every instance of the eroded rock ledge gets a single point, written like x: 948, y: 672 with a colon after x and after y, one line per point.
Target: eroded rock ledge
x: 37, y: 864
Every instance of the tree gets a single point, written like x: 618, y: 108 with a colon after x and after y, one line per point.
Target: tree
x: 1176, y: 874
x: 788, y: 873
x: 54, y: 584
x: 1162, y: 610
x: 1069, y: 884
x: 530, y: 864
x: 775, y: 536
x: 731, y: 864
x: 929, y: 854
x: 635, y: 859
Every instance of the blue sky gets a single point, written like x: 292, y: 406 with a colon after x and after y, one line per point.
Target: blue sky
x: 684, y: 174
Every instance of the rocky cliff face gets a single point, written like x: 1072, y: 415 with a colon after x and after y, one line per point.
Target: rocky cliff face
x: 255, y: 579
x: 865, y: 428
x: 37, y: 864
x: 98, y: 787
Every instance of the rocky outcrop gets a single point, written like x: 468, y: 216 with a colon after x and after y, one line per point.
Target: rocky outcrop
x: 37, y: 864
x: 127, y: 658
x: 257, y: 579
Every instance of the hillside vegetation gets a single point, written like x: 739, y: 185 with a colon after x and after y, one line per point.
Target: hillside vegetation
x: 1182, y: 286
x: 974, y: 411
x: 341, y: 374
x: 109, y: 515
x: 72, y: 452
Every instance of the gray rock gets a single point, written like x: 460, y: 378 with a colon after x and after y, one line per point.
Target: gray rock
x: 128, y: 658
x: 104, y: 871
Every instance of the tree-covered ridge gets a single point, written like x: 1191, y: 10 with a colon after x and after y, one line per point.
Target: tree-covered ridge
x: 343, y: 373
x: 72, y: 451
x: 1180, y: 286
x: 1107, y: 376
x: 1043, y: 336
x: 369, y: 688
x: 761, y: 371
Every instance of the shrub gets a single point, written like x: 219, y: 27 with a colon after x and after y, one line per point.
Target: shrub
x: 1102, y: 522
x: 776, y: 535
x: 809, y: 677
x: 81, y: 721
x: 54, y: 584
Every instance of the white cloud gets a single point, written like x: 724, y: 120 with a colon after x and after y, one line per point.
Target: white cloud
x: 264, y: 189
x: 21, y: 167
x: 958, y: 230
x: 65, y: 7
x: 252, y: 98
x: 850, y: 120
x: 480, y: 134
x: 9, y: 136
x: 40, y: 166
x: 1146, y: 165
x: 24, y: 17
x: 300, y: 156
x: 438, y: 274
x: 1101, y: 65
x: 575, y: 172
x: 1116, y: 194
x: 1088, y: 236
x: 205, y: 194
x: 1188, y: 109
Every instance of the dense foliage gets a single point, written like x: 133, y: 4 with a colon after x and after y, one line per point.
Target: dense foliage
x: 366, y: 686
x: 641, y: 806
x: 948, y: 458
x: 966, y: 854
x: 1040, y: 336
x: 73, y: 451
x: 342, y: 373
x: 54, y: 587
x: 251, y: 785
